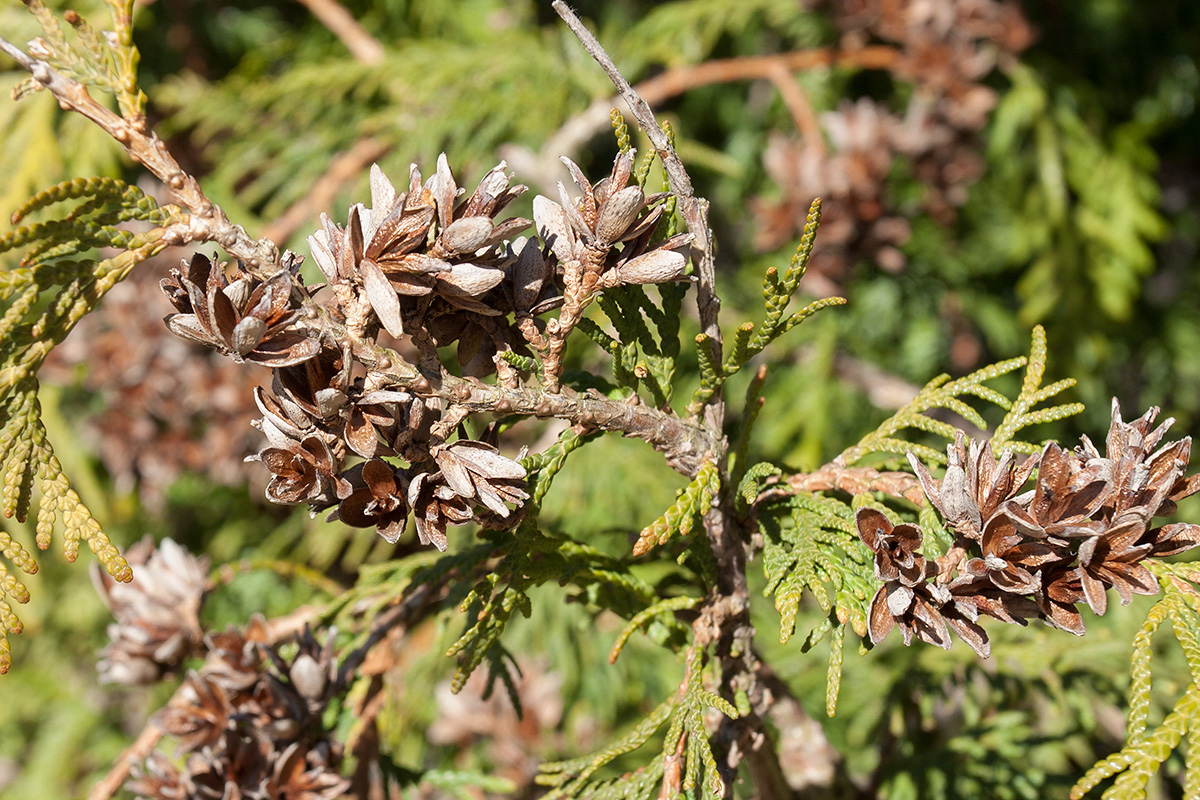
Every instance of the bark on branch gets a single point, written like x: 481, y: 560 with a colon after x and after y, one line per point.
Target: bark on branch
x: 208, y: 222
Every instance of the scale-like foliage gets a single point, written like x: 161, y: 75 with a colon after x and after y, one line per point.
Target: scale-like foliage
x: 58, y: 280
x: 92, y: 59
x: 692, y: 504
x: 749, y: 340
x: 1146, y: 750
x: 814, y: 549
x: 813, y: 542
x: 686, y: 752
x: 941, y: 393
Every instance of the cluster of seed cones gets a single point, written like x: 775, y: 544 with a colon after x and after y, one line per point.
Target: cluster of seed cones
x: 1084, y: 528
x: 422, y: 266
x: 249, y: 724
x: 946, y: 51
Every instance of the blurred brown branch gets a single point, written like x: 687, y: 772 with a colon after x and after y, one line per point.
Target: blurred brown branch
x: 544, y: 168
x: 334, y: 16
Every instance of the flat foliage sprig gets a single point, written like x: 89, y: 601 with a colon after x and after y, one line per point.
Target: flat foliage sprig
x: 1146, y: 749
x: 945, y: 394
x: 749, y: 339
x: 45, y: 294
x: 687, y: 761
x: 815, y: 549
x: 107, y: 61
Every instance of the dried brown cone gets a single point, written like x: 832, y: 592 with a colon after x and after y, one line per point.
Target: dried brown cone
x: 313, y: 393
x: 245, y: 319
x: 377, y: 499
x: 477, y: 472
x: 1065, y: 500
x: 1111, y: 559
x: 975, y: 485
x: 896, y: 548
x: 1010, y: 561
x: 391, y: 232
x: 163, y: 405
x: 311, y: 675
x: 908, y: 599
x: 858, y: 217
x: 583, y: 235
x: 304, y: 472
x: 945, y: 51
x: 248, y: 732
x: 584, y: 231
x: 318, y: 396
x: 383, y: 261
x: 157, y: 613
x: 436, y: 506
x: 1084, y: 528
x: 1147, y: 479
x: 157, y: 778
x: 387, y: 422
x: 1061, y: 593
x: 199, y: 715
x: 307, y: 774
x: 234, y: 655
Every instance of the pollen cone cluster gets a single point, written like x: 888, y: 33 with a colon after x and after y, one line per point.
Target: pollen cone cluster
x: 1084, y: 528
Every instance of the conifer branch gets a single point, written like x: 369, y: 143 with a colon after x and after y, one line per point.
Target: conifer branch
x: 208, y: 222
x: 693, y: 210
x: 1145, y: 750
x: 948, y: 394
x: 684, y: 444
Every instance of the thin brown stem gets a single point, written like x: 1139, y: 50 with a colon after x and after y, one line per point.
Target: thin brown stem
x: 136, y: 753
x: 851, y: 480
x: 694, y: 210
x: 684, y: 444
x: 801, y: 110
x: 208, y: 222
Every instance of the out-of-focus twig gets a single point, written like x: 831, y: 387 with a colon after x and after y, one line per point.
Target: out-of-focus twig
x: 344, y: 168
x: 544, y: 167
x: 136, y: 753
x: 334, y: 16
x: 801, y: 110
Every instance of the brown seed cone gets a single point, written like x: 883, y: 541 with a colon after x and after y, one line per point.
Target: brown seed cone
x: 895, y: 548
x: 383, y: 259
x: 248, y: 732
x: 377, y: 499
x: 611, y: 212
x: 304, y: 472
x: 975, y: 485
x: 435, y: 506
x: 476, y: 471
x: 157, y: 612
x: 245, y: 319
